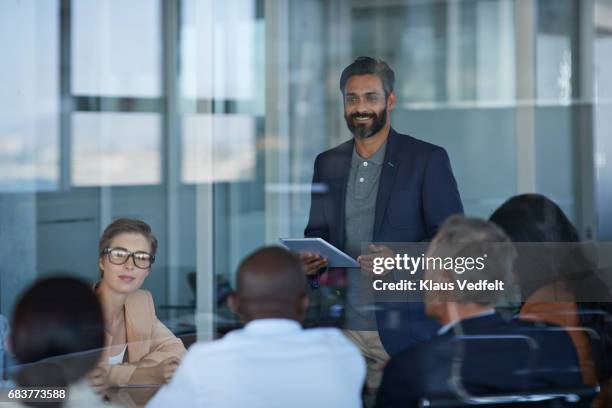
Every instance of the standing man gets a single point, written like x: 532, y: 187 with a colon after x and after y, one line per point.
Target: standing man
x: 380, y: 186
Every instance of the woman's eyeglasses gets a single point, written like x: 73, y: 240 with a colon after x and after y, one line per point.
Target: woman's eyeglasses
x: 119, y: 256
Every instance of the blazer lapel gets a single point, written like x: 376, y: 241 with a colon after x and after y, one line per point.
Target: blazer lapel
x: 108, y: 339
x: 386, y: 181
x: 134, y: 340
x: 343, y: 166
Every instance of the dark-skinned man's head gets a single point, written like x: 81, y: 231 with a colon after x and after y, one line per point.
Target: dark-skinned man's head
x: 270, y: 284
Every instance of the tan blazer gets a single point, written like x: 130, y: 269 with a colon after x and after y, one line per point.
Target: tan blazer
x: 148, y: 341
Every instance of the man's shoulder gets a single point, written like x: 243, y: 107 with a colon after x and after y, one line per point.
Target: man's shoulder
x: 521, y: 325
x: 400, y: 141
x: 326, y: 338
x: 440, y: 345
x: 213, y: 352
x: 329, y: 339
x: 424, y: 352
x: 543, y: 332
x: 404, y: 141
x: 343, y: 148
x: 439, y: 348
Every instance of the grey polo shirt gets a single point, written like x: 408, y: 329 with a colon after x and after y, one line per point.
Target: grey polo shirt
x: 360, y: 205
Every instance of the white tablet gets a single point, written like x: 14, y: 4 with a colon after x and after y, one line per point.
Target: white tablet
x: 335, y: 257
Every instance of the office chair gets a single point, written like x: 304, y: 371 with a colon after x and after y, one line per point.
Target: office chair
x: 574, y: 398
x: 553, y: 398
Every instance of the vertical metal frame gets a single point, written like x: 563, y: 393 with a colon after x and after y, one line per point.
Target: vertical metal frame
x: 338, y: 55
x: 582, y: 40
x: 171, y: 142
x: 205, y: 283
x: 525, y: 32
x: 277, y: 121
x: 65, y: 74
x: 584, y: 120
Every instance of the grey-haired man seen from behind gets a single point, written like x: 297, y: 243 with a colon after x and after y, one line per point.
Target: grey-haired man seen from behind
x: 476, y: 352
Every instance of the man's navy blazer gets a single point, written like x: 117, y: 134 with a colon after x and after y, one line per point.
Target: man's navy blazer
x: 416, y: 193
x: 489, y: 355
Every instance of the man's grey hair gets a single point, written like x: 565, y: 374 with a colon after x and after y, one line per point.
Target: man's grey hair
x: 462, y: 237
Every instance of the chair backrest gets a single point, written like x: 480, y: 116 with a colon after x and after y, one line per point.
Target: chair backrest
x: 597, y: 317
x: 575, y: 398
x: 596, y: 324
x: 456, y: 377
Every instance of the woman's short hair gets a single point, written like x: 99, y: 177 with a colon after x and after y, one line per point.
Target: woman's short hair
x: 57, y: 332
x: 126, y: 226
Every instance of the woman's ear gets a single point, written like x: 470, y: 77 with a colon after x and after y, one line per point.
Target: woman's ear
x: 101, y: 266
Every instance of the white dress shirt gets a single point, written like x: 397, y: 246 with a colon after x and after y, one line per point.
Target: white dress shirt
x: 118, y: 359
x: 269, y: 363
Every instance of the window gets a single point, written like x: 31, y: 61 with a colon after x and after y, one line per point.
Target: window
x: 116, y: 48
x: 29, y: 96
x: 112, y: 149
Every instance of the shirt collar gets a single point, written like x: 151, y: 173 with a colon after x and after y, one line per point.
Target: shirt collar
x: 376, y: 158
x: 272, y: 326
x: 447, y: 327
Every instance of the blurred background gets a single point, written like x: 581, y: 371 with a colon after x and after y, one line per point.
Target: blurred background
x: 203, y: 118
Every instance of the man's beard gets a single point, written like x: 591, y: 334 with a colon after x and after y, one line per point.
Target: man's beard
x: 362, y: 130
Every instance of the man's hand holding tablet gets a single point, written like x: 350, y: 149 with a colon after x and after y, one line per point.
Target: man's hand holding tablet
x: 316, y: 253
x: 312, y: 262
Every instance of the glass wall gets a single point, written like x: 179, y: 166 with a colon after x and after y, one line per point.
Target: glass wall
x: 603, y: 115
x: 29, y: 97
x: 204, y: 119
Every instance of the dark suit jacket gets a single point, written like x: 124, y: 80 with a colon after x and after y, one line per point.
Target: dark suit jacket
x: 417, y: 192
x: 487, y: 366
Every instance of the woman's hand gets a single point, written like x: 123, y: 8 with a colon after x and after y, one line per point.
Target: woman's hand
x: 160, y: 373
x: 97, y: 380
x: 165, y: 370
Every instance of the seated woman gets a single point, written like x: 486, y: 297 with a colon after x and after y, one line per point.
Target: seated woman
x: 57, y: 338
x: 140, y: 349
x: 553, y: 277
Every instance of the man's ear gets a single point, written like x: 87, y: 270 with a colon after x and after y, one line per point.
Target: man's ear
x: 452, y: 312
x: 234, y: 303
x: 302, y: 306
x: 447, y: 277
x: 305, y: 301
x: 391, y: 100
